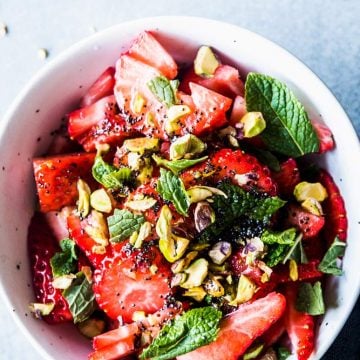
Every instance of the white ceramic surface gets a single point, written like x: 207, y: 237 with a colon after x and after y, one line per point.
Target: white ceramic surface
x: 25, y: 133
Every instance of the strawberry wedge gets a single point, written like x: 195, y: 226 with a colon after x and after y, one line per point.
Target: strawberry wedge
x: 240, y: 329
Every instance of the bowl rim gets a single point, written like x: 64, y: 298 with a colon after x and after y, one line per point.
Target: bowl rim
x: 72, y: 50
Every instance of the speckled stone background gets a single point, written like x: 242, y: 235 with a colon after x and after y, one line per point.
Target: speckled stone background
x: 323, y: 34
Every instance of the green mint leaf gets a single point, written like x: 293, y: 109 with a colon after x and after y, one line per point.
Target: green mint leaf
x: 64, y: 263
x: 276, y: 254
x: 194, y: 328
x: 288, y: 128
x: 297, y: 252
x: 80, y: 298
x: 283, y: 353
x: 122, y: 224
x: 310, y: 299
x: 108, y: 175
x: 264, y: 156
x: 238, y: 203
x: 328, y: 264
x: 164, y: 89
x: 176, y: 166
x: 171, y: 188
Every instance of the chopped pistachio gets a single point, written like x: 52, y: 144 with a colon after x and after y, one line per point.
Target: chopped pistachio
x: 63, y: 282
x: 178, y: 279
x: 84, y: 198
x: 91, y: 327
x: 39, y: 309
x: 253, y: 352
x: 312, y: 206
x: 229, y: 130
x: 213, y: 286
x: 174, y: 114
x: 233, y: 141
x: 140, y: 145
x: 174, y: 247
x: 197, y: 273
x: 144, y: 232
x: 253, y: 124
x: 183, y: 263
x: 199, y: 247
x: 101, y: 201
x: 97, y: 228
x: 245, y: 291
x: 138, y: 103
x: 186, y: 147
x: 153, y: 269
x: 205, y: 63
x: 293, y: 270
x: 200, y: 193
x: 145, y: 174
x: 204, y: 215
x: 220, y: 252
x: 142, y: 204
x: 163, y: 225
x: 133, y: 238
x: 138, y: 316
x: 197, y: 293
x: 149, y: 120
x: 98, y: 249
x: 229, y: 279
x: 305, y: 190
x: 135, y: 161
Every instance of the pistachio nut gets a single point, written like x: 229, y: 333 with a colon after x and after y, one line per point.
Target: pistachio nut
x: 245, y: 291
x: 186, y: 147
x: 253, y: 124
x: 197, y: 293
x: 84, y: 198
x: 91, y: 327
x: 196, y: 272
x: 220, y: 252
x: 305, y: 190
x: 313, y: 206
x: 39, y: 309
x: 101, y: 201
x: 140, y: 145
x: 205, y: 63
x: 174, y: 114
x: 204, y: 215
x: 142, y: 204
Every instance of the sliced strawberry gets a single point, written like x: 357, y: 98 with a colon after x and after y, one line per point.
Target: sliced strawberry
x: 239, y: 329
x: 116, y: 351
x: 226, y: 81
x: 113, y: 336
x: 238, y: 110
x: 129, y: 285
x: 287, y: 177
x: 324, y: 135
x: 103, y: 86
x: 148, y: 50
x: 42, y: 247
x: 57, y: 221
x: 299, y: 326
x: 98, y: 123
x: 309, y: 224
x: 306, y: 272
x: 56, y: 178
x: 274, y: 333
x: 87, y: 244
x: 229, y: 164
x: 334, y: 210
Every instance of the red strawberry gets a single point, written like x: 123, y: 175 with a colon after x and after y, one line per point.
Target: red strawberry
x: 87, y: 244
x: 299, y: 326
x: 274, y: 333
x: 115, y: 351
x: 309, y: 224
x: 226, y: 81
x: 325, y: 136
x: 42, y: 247
x: 239, y: 329
x: 57, y: 220
x: 238, y: 110
x: 103, y: 86
x: 287, y: 178
x: 149, y: 51
x: 306, y: 272
x: 98, y: 123
x: 129, y: 285
x: 334, y: 210
x: 56, y: 179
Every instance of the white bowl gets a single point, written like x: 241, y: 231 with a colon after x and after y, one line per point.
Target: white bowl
x: 25, y: 133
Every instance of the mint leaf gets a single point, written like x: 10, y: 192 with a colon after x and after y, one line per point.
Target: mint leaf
x: 108, y: 175
x: 283, y: 353
x: 288, y: 128
x: 297, y: 252
x: 80, y: 298
x: 264, y: 156
x: 171, y: 188
x: 278, y: 245
x: 122, y: 224
x: 177, y: 165
x: 64, y: 263
x: 328, y: 264
x: 164, y: 89
x: 194, y: 328
x: 238, y: 204
x: 310, y: 299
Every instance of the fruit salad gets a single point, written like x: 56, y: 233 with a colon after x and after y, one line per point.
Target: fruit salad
x: 181, y: 216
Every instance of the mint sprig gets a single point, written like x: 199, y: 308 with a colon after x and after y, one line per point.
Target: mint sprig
x: 64, y: 263
x: 288, y: 128
x: 328, y: 264
x: 122, y: 224
x: 310, y: 299
x: 80, y: 298
x: 164, y: 89
x: 171, y: 188
x: 194, y: 328
x: 176, y: 166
